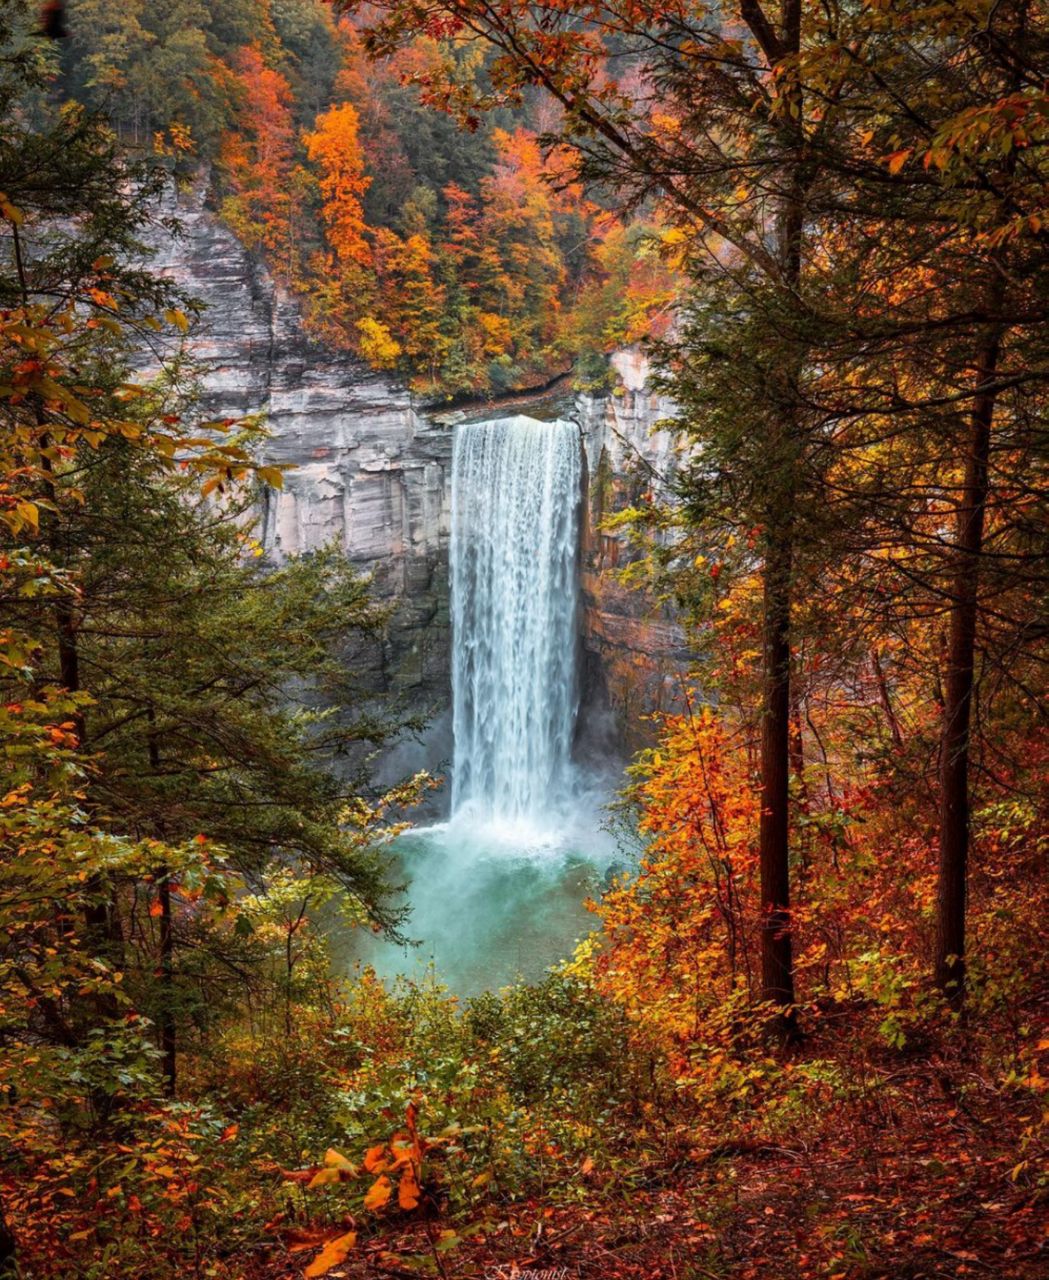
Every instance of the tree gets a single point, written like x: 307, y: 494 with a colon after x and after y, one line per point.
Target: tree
x: 148, y: 67
x: 122, y: 743
x: 633, y: 297
x: 107, y: 44
x: 410, y: 301
x: 311, y: 46
x: 222, y: 702
x: 70, y: 290
x: 952, y: 358
x: 335, y: 148
x: 256, y: 159
x: 1001, y: 163
x: 520, y: 274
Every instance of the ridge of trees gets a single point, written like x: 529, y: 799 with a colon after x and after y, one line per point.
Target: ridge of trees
x: 447, y: 257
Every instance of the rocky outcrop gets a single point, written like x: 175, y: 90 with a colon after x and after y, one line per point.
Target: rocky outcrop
x: 370, y: 471
x: 636, y: 653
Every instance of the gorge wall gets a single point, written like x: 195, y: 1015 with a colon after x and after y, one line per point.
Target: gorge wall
x: 635, y: 652
x: 370, y: 470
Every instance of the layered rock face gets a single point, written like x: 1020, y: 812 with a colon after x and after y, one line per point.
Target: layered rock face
x: 368, y: 472
x: 371, y: 470
x: 636, y: 654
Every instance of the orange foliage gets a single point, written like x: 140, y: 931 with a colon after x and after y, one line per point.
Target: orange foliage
x: 483, y: 289
x: 410, y: 302
x: 521, y: 272
x: 681, y: 939
x: 257, y: 157
x: 682, y: 934
x: 335, y: 147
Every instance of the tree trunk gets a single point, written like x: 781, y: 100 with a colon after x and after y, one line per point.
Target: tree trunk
x: 166, y: 1013
x: 777, y: 969
x: 167, y: 979
x: 777, y: 974
x: 102, y: 925
x: 69, y: 657
x: 8, y: 1247
x: 949, y: 960
x: 884, y: 697
x: 797, y: 738
x: 103, y: 934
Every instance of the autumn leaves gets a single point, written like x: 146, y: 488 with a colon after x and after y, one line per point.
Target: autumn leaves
x: 396, y: 1169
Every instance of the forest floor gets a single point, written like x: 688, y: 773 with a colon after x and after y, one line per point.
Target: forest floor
x: 918, y: 1181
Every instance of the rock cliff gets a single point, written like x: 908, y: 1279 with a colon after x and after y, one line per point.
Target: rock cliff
x: 371, y: 471
x: 368, y: 471
x: 635, y: 650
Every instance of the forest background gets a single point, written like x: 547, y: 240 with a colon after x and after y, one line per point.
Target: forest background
x: 443, y: 253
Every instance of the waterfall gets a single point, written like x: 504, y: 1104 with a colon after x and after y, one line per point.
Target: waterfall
x: 514, y: 585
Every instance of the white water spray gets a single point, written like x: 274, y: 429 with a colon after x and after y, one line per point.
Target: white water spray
x: 514, y: 580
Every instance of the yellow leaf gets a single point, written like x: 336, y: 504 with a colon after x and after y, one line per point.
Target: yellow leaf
x: 336, y: 1160
x: 28, y: 513
x: 9, y: 211
x: 323, y: 1178
x: 380, y: 1192
x: 73, y: 407
x: 178, y: 319
x: 334, y: 1252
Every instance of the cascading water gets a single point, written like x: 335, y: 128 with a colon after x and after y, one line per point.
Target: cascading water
x: 515, y: 504
x: 499, y: 890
